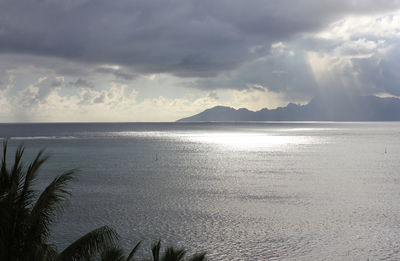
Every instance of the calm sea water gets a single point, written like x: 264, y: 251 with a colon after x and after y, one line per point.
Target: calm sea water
x: 244, y: 191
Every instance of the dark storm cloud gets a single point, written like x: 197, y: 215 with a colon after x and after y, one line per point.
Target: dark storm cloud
x: 182, y: 37
x: 286, y: 72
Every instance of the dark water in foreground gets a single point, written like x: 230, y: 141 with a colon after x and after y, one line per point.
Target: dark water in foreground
x: 245, y: 191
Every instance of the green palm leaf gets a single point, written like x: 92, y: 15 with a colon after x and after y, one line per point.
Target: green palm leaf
x: 132, y: 253
x: 90, y: 244
x: 26, y: 196
x: 43, y: 212
x: 198, y: 257
x: 113, y: 254
x: 156, y: 251
x: 45, y: 252
x: 173, y: 254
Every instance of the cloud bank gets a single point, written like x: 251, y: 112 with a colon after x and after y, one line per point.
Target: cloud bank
x: 71, y: 55
x: 183, y: 37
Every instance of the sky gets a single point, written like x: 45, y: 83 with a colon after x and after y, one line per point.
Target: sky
x: 162, y: 60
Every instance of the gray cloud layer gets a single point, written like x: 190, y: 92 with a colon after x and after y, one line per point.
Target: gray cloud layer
x: 182, y: 37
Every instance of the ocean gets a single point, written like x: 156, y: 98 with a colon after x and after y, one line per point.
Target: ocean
x: 240, y: 191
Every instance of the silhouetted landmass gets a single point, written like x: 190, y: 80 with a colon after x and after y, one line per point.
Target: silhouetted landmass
x: 321, y: 108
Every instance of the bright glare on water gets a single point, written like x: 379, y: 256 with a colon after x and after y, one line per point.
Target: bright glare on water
x: 248, y: 141
x: 240, y: 191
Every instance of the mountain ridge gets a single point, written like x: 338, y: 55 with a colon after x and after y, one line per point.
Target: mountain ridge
x: 320, y: 108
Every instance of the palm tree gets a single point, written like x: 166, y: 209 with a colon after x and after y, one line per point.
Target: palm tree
x: 117, y: 254
x: 25, y: 218
x: 173, y: 254
x: 170, y: 254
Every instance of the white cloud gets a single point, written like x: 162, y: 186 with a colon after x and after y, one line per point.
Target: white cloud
x: 120, y: 103
x: 358, y: 54
x: 360, y: 48
x: 42, y: 101
x: 351, y: 27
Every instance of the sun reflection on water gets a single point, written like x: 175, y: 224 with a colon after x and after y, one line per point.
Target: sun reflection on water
x: 249, y: 140
x: 236, y: 140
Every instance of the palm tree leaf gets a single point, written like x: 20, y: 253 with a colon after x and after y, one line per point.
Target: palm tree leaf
x: 15, y: 177
x: 132, y: 253
x: 4, y: 176
x: 45, y: 252
x: 113, y: 254
x: 43, y: 212
x: 27, y: 194
x: 198, y: 257
x: 172, y: 254
x: 17, y: 167
x: 11, y: 215
x: 155, y: 249
x: 93, y: 242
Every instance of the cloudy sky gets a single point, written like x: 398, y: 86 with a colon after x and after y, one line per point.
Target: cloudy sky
x: 161, y: 60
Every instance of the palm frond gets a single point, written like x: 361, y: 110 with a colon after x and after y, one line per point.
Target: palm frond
x: 155, y: 249
x: 113, y: 254
x: 4, y: 176
x: 43, y: 212
x: 11, y: 215
x: 44, y: 252
x: 132, y: 253
x: 93, y: 242
x: 198, y: 257
x: 172, y: 254
x: 26, y: 196
x: 15, y: 177
x: 17, y: 167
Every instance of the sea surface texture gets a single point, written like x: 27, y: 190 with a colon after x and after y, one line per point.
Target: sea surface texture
x: 240, y: 191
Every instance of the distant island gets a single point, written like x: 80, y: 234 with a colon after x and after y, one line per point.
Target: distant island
x: 320, y: 108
